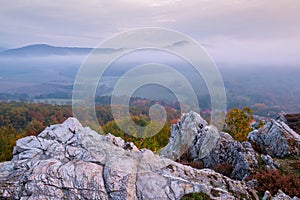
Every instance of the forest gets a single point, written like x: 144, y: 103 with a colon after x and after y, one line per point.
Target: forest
x: 19, y: 119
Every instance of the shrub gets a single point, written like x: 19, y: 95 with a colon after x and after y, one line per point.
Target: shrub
x: 238, y: 123
x: 274, y: 180
x: 185, y: 159
x: 224, y: 168
x: 197, y: 164
x: 196, y: 196
x: 296, y: 165
x: 194, y: 164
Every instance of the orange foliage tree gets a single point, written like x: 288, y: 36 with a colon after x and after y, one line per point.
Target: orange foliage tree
x: 238, y: 123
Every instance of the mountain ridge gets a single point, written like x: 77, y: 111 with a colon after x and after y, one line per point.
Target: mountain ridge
x: 48, y: 50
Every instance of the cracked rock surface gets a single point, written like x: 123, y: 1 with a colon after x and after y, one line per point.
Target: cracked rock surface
x: 191, y: 136
x: 68, y: 161
x: 276, y: 139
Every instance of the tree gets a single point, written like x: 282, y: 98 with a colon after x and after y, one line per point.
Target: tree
x: 238, y: 123
x: 154, y: 143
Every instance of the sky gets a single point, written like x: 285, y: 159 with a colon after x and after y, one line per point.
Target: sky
x: 232, y: 31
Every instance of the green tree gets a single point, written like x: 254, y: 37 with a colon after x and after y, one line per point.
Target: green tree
x: 154, y: 143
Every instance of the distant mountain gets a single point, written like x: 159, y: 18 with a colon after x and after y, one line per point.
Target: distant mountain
x: 178, y: 44
x: 48, y: 50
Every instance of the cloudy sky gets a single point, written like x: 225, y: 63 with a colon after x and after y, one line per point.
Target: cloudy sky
x: 233, y: 31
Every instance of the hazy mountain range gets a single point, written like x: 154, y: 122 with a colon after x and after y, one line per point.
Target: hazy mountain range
x: 48, y: 50
x: 42, y: 69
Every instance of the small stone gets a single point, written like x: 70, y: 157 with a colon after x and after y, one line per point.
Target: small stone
x: 267, y: 196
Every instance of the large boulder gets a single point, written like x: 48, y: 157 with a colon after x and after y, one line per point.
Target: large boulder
x: 183, y: 134
x: 200, y: 142
x: 69, y: 161
x: 276, y: 139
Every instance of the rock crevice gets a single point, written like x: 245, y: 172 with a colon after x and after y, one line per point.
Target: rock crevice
x: 276, y: 139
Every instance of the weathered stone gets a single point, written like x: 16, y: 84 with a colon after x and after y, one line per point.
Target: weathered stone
x: 26, y: 143
x: 193, y: 136
x: 71, y: 162
x: 267, y: 196
x: 281, y: 117
x: 282, y: 196
x: 276, y: 139
x: 183, y: 134
x: 119, y: 142
x: 268, y: 160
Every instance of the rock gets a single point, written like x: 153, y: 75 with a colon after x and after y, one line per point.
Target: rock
x: 26, y: 143
x: 119, y: 142
x: 193, y: 136
x: 254, y: 125
x: 267, y: 196
x: 268, y: 160
x: 279, y: 196
x: 69, y: 161
x: 276, y: 139
x: 281, y: 117
x: 282, y: 196
x: 183, y: 134
x: 228, y: 151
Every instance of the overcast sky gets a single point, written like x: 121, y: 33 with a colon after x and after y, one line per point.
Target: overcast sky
x: 233, y: 31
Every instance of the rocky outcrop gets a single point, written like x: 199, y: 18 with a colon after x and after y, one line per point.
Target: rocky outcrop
x: 193, y: 136
x: 184, y: 133
x: 281, y: 117
x: 276, y: 139
x: 269, y: 162
x: 279, y: 196
x: 68, y: 161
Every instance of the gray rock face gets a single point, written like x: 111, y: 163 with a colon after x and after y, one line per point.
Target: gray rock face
x: 281, y: 117
x: 227, y: 150
x: 279, y: 196
x: 269, y: 163
x: 276, y: 138
x: 68, y: 161
x: 183, y: 134
x: 206, y: 144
